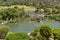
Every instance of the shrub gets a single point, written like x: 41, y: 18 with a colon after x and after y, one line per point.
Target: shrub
x: 36, y: 34
x: 46, y: 31
x: 3, y: 32
x: 17, y: 36
x: 56, y: 33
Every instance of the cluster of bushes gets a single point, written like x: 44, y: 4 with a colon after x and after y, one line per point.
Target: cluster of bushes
x: 45, y: 32
x: 11, y: 14
x: 26, y: 2
x: 48, y: 8
x: 52, y: 11
x: 18, y: 2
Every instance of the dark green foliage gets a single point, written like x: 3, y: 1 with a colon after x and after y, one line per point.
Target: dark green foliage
x: 43, y: 32
x: 46, y: 31
x: 17, y: 36
x: 11, y: 13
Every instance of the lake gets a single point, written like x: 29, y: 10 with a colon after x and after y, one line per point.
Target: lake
x: 29, y: 27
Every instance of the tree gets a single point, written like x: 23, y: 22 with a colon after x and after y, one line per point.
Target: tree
x: 46, y: 31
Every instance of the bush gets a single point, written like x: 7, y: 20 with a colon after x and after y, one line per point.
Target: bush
x: 17, y: 36
x: 36, y: 34
x: 56, y: 33
x: 3, y: 32
x: 46, y: 31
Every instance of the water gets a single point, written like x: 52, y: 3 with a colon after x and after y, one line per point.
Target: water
x: 29, y: 27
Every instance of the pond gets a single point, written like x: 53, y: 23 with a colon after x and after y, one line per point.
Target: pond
x: 29, y: 27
